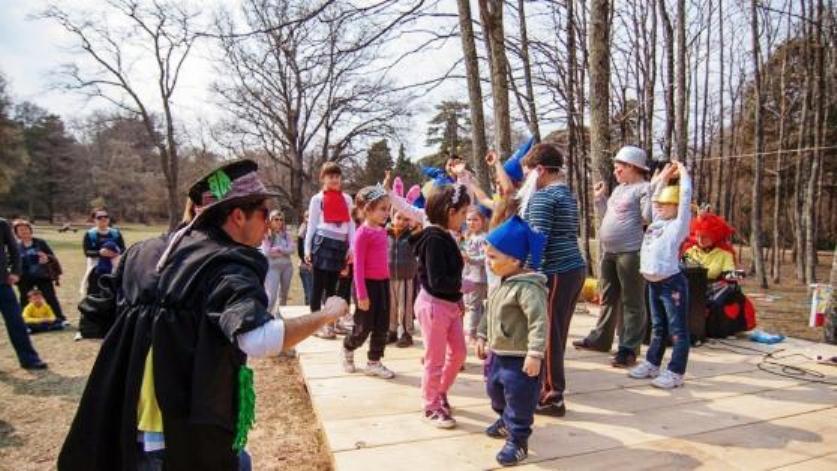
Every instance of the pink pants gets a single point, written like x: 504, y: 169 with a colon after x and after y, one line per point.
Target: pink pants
x: 444, y: 346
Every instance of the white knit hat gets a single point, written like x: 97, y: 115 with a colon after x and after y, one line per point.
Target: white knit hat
x: 632, y: 155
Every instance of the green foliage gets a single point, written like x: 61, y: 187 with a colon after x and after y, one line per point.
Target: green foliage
x: 13, y: 157
x: 450, y: 128
x: 406, y: 169
x: 378, y: 160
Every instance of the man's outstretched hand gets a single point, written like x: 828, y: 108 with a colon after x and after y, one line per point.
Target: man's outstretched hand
x: 335, y: 308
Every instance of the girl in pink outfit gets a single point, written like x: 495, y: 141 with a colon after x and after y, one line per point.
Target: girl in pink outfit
x: 371, y: 279
x: 439, y: 304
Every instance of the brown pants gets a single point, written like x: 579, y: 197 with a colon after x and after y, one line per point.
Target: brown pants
x: 401, y: 299
x: 564, y: 289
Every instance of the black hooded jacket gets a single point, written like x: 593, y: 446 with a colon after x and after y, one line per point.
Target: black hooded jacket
x: 440, y: 263
x: 209, y: 291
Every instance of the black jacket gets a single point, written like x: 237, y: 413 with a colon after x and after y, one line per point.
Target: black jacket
x: 440, y: 263
x: 31, y: 268
x: 9, y: 255
x: 210, y: 290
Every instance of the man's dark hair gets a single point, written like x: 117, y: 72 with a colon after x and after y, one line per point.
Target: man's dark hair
x: 440, y: 202
x: 217, y: 216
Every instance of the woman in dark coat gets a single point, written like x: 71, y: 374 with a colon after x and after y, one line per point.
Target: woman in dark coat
x: 40, y: 267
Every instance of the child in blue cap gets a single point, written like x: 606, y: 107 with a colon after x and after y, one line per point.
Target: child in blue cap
x: 514, y: 330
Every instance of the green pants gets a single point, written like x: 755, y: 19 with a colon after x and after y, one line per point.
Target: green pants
x: 623, y: 303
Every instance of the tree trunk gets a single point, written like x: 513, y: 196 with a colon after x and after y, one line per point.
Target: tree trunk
x: 650, y: 84
x: 491, y: 13
x: 680, y: 124
x: 534, y: 128
x: 721, y: 144
x: 469, y: 51
x: 706, y: 169
x: 572, y: 141
x: 599, y: 70
x: 758, y: 170
x: 813, y: 175
x: 668, y: 41
x: 776, y: 267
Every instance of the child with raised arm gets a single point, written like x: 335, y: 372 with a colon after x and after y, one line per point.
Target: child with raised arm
x: 514, y: 330
x: 668, y: 290
x: 371, y: 279
x: 473, y: 253
x: 328, y: 237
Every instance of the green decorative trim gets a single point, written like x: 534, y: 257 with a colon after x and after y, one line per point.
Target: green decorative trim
x: 219, y: 184
x: 246, y: 407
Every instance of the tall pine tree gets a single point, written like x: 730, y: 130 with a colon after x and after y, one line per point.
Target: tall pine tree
x: 378, y: 160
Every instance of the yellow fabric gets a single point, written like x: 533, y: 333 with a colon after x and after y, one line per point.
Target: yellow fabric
x: 716, y: 261
x: 149, y: 416
x: 669, y: 195
x: 590, y: 290
x: 35, y: 315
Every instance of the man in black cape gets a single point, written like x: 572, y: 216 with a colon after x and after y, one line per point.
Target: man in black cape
x: 189, y: 308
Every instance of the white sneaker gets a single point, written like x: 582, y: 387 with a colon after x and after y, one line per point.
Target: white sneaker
x: 644, y: 370
x: 376, y: 368
x: 668, y: 380
x: 347, y: 360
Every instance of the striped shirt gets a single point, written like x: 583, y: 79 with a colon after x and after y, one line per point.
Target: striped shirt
x: 553, y: 211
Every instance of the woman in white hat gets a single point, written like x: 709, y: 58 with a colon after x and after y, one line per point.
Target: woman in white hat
x: 626, y: 211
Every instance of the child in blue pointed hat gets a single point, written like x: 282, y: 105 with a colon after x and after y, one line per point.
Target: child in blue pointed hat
x: 514, y: 331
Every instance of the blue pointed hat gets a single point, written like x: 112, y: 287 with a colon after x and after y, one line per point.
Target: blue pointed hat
x: 513, y: 166
x: 517, y: 239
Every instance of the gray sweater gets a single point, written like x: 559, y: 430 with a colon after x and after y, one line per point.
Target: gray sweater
x: 625, y: 212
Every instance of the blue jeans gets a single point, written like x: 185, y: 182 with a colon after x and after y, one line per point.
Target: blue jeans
x: 307, y: 281
x: 10, y: 309
x: 154, y: 460
x: 514, y: 395
x: 669, y: 301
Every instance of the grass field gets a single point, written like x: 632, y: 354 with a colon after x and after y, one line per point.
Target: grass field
x: 36, y: 408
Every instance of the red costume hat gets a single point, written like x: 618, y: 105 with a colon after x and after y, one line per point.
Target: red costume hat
x: 712, y: 226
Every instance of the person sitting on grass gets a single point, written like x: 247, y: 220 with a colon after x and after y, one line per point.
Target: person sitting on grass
x: 37, y: 314
x: 514, y: 330
x: 668, y: 290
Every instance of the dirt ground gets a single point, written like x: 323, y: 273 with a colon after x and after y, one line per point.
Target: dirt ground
x: 36, y: 408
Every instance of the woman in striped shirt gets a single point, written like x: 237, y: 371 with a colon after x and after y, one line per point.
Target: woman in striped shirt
x: 553, y: 211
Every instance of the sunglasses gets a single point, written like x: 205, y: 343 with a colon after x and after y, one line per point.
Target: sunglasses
x: 102, y: 216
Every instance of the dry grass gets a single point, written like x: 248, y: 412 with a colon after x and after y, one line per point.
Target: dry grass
x: 37, y: 407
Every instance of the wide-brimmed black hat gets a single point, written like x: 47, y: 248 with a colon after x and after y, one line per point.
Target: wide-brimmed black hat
x: 231, y: 183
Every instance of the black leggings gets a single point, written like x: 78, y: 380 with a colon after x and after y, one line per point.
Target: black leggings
x: 323, y: 286
x: 375, y: 321
x: 47, y: 288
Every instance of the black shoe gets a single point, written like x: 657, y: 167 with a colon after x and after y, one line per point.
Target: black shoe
x: 446, y: 405
x: 623, y: 359
x: 39, y: 365
x: 512, y: 453
x: 392, y: 337
x: 405, y: 341
x: 584, y: 344
x: 497, y: 430
x: 552, y: 408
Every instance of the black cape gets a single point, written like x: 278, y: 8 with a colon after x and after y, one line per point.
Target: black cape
x: 210, y: 290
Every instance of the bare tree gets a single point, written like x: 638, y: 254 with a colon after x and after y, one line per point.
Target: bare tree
x: 165, y: 33
x: 469, y: 51
x: 681, y: 132
x: 758, y: 171
x: 599, y: 70
x: 301, y: 91
x: 491, y: 15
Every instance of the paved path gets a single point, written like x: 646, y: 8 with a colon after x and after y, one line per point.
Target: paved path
x: 730, y: 415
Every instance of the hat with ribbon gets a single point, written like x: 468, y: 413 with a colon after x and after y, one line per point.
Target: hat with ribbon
x: 513, y: 166
x: 517, y: 239
x: 231, y: 183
